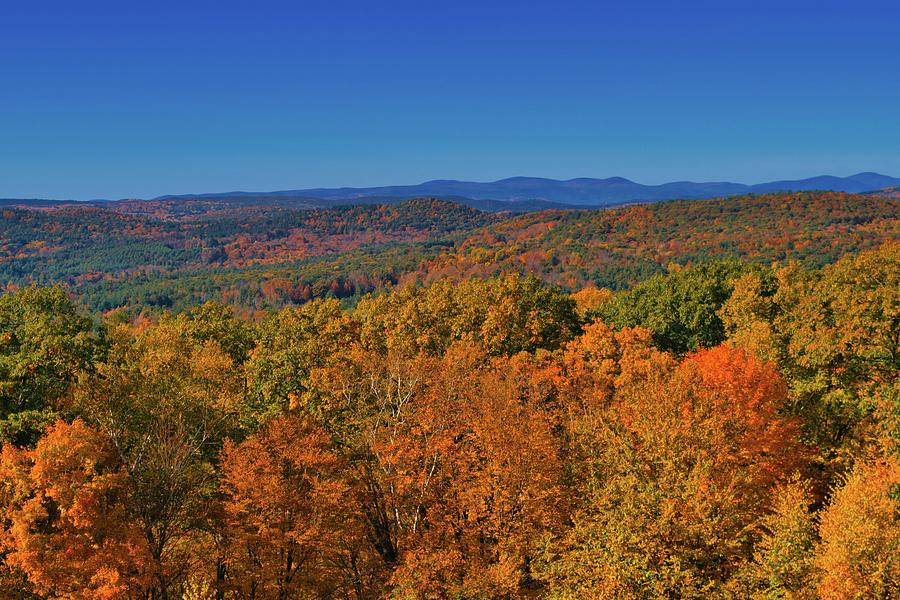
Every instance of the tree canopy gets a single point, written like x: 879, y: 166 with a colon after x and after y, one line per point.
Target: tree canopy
x: 723, y: 430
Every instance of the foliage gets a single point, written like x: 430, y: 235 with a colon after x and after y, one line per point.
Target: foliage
x: 454, y: 482
x: 836, y: 335
x: 44, y: 343
x: 170, y: 254
x: 672, y: 477
x: 282, y: 503
x: 861, y: 536
x: 724, y: 430
x: 782, y: 565
x: 69, y: 527
x: 292, y: 343
x: 164, y: 402
x: 504, y: 316
x: 618, y: 248
x: 681, y: 309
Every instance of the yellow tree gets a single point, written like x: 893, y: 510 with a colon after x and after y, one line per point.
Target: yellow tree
x: 503, y: 316
x: 782, y: 565
x: 165, y: 401
x: 672, y: 478
x: 860, y: 533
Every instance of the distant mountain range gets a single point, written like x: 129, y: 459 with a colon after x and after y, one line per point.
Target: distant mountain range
x: 538, y: 192
x: 517, y: 194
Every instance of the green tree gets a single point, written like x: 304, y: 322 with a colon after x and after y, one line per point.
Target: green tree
x: 216, y: 322
x: 44, y: 343
x: 680, y: 308
x: 292, y: 343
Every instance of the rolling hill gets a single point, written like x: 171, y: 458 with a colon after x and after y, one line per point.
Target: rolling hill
x: 175, y: 253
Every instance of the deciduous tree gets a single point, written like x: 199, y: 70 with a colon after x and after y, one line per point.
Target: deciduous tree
x: 44, y: 343
x: 286, y: 510
x: 860, y: 535
x: 69, y: 525
x: 672, y: 480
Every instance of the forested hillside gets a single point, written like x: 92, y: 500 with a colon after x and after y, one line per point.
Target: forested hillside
x: 619, y: 247
x: 724, y: 430
x: 169, y: 255
x: 888, y: 193
x: 125, y: 244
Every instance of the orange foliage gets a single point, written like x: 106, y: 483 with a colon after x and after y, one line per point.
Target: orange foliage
x: 861, y: 536
x: 283, y: 502
x: 460, y: 476
x: 744, y: 395
x: 673, y: 470
x: 590, y: 298
x: 69, y: 526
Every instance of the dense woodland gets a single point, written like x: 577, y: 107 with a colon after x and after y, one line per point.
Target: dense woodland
x: 175, y: 254
x: 720, y: 420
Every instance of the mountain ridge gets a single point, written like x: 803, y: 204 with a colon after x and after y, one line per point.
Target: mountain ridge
x: 579, y: 191
x: 517, y: 194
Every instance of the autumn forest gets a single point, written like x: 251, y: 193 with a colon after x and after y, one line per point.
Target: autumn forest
x: 224, y: 400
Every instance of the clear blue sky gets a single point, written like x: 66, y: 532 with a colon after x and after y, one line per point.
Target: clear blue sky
x: 136, y: 99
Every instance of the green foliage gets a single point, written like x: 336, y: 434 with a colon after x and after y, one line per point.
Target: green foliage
x: 842, y: 332
x: 292, y: 343
x: 213, y: 322
x: 835, y: 333
x: 23, y: 428
x: 681, y: 308
x: 44, y: 343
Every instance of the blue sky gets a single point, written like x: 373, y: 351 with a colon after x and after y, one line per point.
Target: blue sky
x: 137, y: 99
